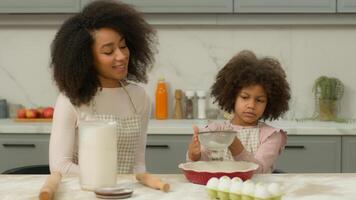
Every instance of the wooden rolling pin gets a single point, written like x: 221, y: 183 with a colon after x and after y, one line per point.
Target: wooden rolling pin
x: 152, y: 181
x: 50, y: 186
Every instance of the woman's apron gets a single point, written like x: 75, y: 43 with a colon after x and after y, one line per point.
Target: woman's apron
x: 128, y: 134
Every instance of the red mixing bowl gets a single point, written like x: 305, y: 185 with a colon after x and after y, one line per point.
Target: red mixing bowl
x: 200, y: 172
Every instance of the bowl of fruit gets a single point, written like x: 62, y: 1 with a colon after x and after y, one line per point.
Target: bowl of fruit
x: 40, y: 114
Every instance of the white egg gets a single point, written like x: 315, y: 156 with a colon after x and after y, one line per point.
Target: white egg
x: 248, y: 188
x: 224, y: 178
x: 236, y: 187
x: 224, y: 184
x: 261, y: 191
x: 213, y: 183
x: 275, y: 189
x: 236, y: 179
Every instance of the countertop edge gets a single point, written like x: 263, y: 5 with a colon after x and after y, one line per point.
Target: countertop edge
x: 184, y: 127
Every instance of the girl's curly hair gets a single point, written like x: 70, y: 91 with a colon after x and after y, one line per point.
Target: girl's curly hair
x: 245, y: 69
x: 71, y: 50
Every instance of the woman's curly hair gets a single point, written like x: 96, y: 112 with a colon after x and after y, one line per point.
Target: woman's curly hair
x: 245, y: 69
x: 72, y: 59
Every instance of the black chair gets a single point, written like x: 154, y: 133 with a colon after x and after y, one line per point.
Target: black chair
x: 278, y: 171
x: 33, y: 169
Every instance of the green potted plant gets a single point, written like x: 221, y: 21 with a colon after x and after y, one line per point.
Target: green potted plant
x: 327, y: 91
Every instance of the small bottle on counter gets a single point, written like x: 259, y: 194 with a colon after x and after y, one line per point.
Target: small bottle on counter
x: 178, y: 112
x: 161, y: 100
x: 201, y: 104
x: 189, y: 104
x: 4, y: 112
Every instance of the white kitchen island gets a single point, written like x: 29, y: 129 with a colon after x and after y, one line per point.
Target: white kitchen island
x: 297, y: 186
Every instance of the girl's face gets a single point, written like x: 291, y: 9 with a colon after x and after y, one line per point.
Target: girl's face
x: 111, y: 56
x: 249, y: 105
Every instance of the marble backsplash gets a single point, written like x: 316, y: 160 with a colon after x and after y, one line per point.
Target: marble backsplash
x: 190, y: 56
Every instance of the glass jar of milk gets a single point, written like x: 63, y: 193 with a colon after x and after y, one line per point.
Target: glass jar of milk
x: 97, y: 155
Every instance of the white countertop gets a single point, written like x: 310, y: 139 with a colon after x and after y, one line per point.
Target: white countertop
x: 185, y: 127
x: 296, y: 186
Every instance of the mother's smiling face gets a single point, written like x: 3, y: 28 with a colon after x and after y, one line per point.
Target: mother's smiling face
x: 111, y: 56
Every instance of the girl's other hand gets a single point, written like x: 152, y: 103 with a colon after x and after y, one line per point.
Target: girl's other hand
x: 194, y: 152
x: 236, y: 147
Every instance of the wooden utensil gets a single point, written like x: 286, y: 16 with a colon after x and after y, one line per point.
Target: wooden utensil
x: 152, y: 182
x: 50, y: 186
x: 178, y: 111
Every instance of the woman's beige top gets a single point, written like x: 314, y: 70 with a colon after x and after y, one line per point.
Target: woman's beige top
x: 112, y: 101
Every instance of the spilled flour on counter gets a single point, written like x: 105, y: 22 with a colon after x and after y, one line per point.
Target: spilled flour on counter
x: 315, y: 189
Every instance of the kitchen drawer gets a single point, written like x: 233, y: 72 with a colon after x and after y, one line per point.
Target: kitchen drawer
x: 17, y: 150
x: 165, y: 152
x: 348, y: 156
x: 311, y: 154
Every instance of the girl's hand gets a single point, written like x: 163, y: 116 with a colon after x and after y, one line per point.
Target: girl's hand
x: 236, y: 147
x: 194, y: 152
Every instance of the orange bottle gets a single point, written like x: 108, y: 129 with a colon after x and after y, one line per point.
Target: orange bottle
x: 161, y: 100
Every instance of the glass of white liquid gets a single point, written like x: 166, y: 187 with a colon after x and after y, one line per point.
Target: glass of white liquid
x: 97, y: 156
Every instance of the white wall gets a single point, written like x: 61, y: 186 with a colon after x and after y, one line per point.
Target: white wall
x: 190, y: 56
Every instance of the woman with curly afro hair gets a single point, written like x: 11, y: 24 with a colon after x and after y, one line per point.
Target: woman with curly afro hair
x: 96, y: 57
x: 253, y: 89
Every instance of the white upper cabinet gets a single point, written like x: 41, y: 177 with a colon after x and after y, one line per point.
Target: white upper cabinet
x: 285, y: 6
x: 188, y: 6
x: 39, y: 6
x: 346, y: 6
x: 180, y: 6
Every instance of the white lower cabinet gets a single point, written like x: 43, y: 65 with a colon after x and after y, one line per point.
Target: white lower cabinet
x: 303, y: 154
x: 348, y: 154
x: 165, y: 152
x: 311, y: 154
x: 19, y: 150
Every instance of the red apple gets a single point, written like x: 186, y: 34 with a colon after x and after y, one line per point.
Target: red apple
x: 48, y: 112
x: 21, y: 113
x: 40, y: 112
x: 31, y: 113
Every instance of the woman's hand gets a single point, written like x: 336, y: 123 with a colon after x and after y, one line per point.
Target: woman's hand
x: 236, y: 147
x: 194, y: 152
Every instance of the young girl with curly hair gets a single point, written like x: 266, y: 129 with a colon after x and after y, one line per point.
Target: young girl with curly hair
x: 253, y: 89
x: 96, y: 57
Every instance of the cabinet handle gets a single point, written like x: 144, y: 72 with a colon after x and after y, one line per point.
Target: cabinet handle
x: 157, y: 146
x: 19, y: 145
x: 294, y: 147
